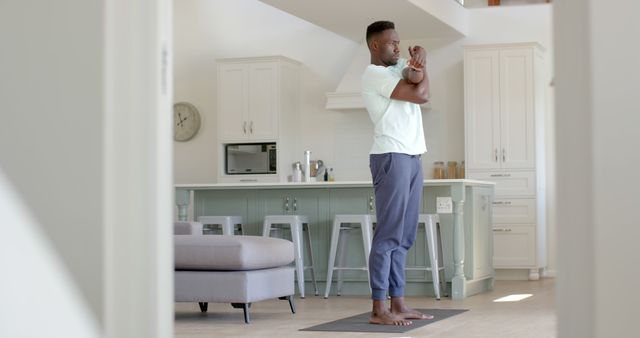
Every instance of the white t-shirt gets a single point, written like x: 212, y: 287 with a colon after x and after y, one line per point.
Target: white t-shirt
x: 397, y: 124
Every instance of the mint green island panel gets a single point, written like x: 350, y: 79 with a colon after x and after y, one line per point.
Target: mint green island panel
x: 466, y: 233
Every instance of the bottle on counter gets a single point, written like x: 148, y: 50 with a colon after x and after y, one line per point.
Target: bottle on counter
x: 331, y: 177
x: 297, y: 172
x: 452, y: 169
x: 307, y: 166
x: 461, y: 172
x: 438, y: 170
x: 326, y: 175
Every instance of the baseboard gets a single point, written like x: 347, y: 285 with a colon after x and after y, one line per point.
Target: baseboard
x: 521, y: 274
x: 512, y: 274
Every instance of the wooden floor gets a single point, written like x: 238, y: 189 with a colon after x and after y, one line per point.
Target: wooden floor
x: 531, y: 317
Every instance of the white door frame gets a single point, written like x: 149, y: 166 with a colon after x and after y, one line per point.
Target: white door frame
x: 138, y: 250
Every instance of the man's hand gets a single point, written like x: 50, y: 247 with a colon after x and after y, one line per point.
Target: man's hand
x: 418, y: 57
x: 415, y: 87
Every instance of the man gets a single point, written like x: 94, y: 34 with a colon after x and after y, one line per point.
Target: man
x: 392, y: 89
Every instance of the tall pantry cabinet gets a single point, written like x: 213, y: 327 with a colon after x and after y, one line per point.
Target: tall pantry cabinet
x: 258, y: 101
x: 504, y: 89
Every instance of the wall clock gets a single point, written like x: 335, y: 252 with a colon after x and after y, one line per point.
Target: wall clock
x: 186, y: 121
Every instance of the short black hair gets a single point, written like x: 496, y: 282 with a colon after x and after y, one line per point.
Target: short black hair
x: 377, y: 28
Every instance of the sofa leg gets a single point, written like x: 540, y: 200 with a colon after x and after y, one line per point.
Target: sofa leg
x: 291, y: 303
x: 203, y: 306
x: 245, y: 307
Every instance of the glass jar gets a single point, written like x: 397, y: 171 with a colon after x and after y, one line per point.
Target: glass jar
x: 452, y: 169
x: 438, y: 170
x: 461, y: 172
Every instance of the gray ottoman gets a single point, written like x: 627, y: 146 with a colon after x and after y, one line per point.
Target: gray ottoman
x: 233, y: 269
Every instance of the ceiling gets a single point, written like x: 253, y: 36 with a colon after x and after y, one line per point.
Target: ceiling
x: 349, y: 18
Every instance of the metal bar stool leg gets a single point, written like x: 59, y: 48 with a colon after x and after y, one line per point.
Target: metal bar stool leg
x: 335, y: 233
x: 296, y: 236
x: 430, y: 228
x: 343, y: 239
x: 305, y: 228
x: 367, y: 237
x: 443, y: 282
x: 266, y: 228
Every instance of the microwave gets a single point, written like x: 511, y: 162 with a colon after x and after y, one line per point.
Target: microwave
x: 250, y: 158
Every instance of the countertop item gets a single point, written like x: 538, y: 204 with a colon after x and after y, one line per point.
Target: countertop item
x: 307, y: 165
x: 319, y: 184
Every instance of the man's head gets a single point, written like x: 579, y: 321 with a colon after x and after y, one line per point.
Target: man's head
x: 383, y: 43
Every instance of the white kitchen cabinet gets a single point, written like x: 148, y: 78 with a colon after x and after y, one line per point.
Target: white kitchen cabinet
x: 258, y: 101
x: 248, y: 100
x: 500, y: 103
x: 514, y: 246
x: 504, y: 143
x: 508, y: 183
x: 514, y: 211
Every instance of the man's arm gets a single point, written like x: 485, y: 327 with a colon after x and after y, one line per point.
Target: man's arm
x: 415, y: 85
x: 413, y: 75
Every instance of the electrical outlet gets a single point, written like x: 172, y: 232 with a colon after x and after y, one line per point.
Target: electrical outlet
x: 444, y: 205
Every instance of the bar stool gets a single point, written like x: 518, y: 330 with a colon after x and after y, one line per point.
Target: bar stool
x: 433, y: 249
x: 298, y: 225
x: 227, y: 223
x: 342, y: 225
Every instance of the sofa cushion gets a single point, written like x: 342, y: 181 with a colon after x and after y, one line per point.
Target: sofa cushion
x: 220, y: 252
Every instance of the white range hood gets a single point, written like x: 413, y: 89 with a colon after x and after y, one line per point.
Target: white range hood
x: 347, y: 94
x: 416, y: 19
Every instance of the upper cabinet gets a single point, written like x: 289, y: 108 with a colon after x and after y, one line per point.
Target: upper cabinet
x: 251, y: 94
x: 258, y: 101
x: 501, y: 99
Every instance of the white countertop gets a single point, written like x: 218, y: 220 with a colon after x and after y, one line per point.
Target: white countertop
x: 325, y: 185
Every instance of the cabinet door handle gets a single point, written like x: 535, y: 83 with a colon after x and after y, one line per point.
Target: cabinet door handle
x: 496, y: 150
x: 251, y: 127
x: 295, y: 204
x: 502, y: 202
x: 501, y: 230
x: 504, y: 157
x: 249, y: 180
x: 370, y: 203
x: 286, y: 204
x: 500, y: 175
x: 244, y: 127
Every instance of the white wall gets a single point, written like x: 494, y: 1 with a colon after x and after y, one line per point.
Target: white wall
x: 85, y: 166
x: 51, y: 131
x: 597, y: 124
x: 37, y: 278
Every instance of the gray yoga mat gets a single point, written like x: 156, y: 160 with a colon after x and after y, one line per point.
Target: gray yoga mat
x: 360, y: 323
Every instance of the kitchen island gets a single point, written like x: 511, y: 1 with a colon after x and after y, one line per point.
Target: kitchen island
x: 466, y: 232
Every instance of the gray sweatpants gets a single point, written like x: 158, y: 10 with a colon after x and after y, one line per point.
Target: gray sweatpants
x: 397, y: 180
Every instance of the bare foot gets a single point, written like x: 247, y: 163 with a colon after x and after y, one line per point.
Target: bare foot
x: 399, y: 309
x: 388, y: 318
x: 408, y: 313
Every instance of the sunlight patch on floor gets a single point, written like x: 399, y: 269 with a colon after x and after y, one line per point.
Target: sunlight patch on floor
x: 513, y: 298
